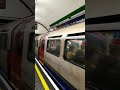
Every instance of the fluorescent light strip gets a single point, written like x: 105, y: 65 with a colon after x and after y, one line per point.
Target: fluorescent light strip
x: 51, y: 81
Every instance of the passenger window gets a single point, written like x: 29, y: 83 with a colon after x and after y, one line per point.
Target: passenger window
x: 53, y: 47
x: 31, y: 48
x: 3, y: 41
x: 74, y: 52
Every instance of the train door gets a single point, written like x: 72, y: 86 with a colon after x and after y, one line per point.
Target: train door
x: 41, y: 50
x: 16, y: 59
x: 16, y: 53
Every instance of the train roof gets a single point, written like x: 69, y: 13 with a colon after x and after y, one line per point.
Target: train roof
x: 77, y: 28
x: 11, y: 26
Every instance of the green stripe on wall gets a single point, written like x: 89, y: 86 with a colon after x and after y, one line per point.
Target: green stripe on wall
x: 69, y: 15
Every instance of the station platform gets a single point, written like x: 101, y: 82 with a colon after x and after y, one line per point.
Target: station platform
x: 42, y: 79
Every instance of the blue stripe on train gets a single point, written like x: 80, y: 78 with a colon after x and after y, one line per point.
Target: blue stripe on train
x: 64, y: 85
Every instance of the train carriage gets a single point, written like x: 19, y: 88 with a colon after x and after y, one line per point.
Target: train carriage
x: 57, y: 45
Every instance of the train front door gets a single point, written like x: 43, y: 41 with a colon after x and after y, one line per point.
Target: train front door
x: 41, y: 50
x: 16, y: 60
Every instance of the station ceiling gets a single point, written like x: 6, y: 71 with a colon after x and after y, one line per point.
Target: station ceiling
x: 49, y: 11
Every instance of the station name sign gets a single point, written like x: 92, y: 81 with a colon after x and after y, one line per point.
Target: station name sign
x: 2, y: 4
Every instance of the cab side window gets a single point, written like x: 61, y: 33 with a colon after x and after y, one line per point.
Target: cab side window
x: 53, y: 47
x: 74, y: 52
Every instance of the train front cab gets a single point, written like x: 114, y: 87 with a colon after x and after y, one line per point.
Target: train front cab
x: 19, y: 53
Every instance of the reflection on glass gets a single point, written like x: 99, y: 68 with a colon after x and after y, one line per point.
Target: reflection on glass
x: 53, y: 47
x: 75, y: 52
x: 103, y: 60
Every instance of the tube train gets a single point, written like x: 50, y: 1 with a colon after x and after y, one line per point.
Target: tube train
x: 62, y: 53
x: 17, y: 52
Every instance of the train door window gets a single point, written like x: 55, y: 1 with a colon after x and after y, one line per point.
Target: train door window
x: 3, y: 41
x: 53, y: 47
x: 19, y: 43
x: 31, y: 48
x: 74, y: 51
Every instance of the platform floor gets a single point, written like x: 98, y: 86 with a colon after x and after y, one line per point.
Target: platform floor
x: 43, y: 81
x: 38, y: 83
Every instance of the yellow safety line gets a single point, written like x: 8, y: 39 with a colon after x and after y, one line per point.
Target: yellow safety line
x: 41, y: 78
